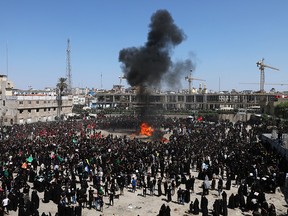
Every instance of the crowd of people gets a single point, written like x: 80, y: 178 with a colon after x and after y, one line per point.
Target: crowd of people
x: 61, y: 159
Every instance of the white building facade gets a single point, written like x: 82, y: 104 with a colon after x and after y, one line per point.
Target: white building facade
x: 20, y: 107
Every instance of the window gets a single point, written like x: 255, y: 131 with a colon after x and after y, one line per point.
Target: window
x: 3, y: 102
x: 20, y: 102
x: 45, y: 102
x: 29, y: 102
x: 29, y: 110
x: 37, y: 102
x: 20, y: 111
x: 44, y: 109
x: 37, y: 110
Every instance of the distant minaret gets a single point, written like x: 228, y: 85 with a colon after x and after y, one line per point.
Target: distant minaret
x: 68, y: 68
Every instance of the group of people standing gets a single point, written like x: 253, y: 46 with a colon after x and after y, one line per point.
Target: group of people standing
x: 61, y: 159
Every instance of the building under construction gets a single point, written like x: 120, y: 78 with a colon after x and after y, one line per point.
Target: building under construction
x: 194, y: 99
x: 189, y: 100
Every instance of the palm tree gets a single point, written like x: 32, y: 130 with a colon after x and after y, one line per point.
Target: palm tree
x: 61, y: 87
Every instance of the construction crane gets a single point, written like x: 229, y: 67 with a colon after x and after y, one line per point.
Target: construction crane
x: 280, y: 84
x: 121, y: 78
x: 190, y: 79
x: 266, y: 84
x: 260, y: 64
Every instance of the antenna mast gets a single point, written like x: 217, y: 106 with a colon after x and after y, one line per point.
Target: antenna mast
x: 7, y: 62
x: 68, y: 68
x: 101, y: 82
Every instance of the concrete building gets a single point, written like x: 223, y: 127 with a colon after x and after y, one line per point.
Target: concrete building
x: 188, y: 101
x: 28, y: 106
x: 79, y: 100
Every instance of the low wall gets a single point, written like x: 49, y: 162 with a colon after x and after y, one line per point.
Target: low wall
x: 235, y: 117
x: 281, y: 148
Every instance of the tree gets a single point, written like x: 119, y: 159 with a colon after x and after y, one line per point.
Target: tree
x: 281, y: 110
x: 61, y: 87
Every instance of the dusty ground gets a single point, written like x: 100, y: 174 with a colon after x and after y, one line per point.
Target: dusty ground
x: 133, y: 204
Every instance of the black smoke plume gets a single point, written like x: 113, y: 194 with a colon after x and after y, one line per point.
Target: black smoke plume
x: 146, y: 66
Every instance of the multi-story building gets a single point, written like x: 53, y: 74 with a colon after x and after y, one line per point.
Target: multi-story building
x: 79, y: 100
x: 27, y: 106
x: 189, y: 101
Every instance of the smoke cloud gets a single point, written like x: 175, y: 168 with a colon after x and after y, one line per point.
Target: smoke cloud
x: 177, y: 71
x: 151, y: 65
x: 146, y: 65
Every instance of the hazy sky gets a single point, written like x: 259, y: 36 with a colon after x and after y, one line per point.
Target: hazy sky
x: 224, y: 40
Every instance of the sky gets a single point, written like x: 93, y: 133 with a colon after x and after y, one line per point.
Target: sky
x: 224, y: 40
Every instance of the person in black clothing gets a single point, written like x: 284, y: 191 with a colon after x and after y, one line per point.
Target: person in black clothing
x: 196, y: 209
x: 224, y: 197
x: 169, y: 195
x: 144, y: 189
x: 29, y: 207
x: 272, y: 210
x: 242, y: 203
x: 180, y: 196
x: 159, y: 187
x: 186, y: 196
x: 168, y: 211
x: 220, y: 186
x: 78, y: 210
x: 228, y: 183
x: 191, y: 207
x: 35, y: 199
x: 237, y: 200
x: 162, y: 211
x: 47, y: 195
x: 90, y: 198
x: 216, y: 208
x: 14, y: 199
x: 231, y: 202
x: 213, y: 184
x: 111, y: 199
x: 204, y: 205
x: 165, y: 187
x: 101, y: 203
x: 224, y: 204
x: 192, y: 182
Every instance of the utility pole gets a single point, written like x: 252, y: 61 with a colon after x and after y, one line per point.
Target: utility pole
x: 101, y: 82
x: 68, y: 68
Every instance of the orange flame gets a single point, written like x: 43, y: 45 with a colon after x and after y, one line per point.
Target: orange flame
x: 146, y: 129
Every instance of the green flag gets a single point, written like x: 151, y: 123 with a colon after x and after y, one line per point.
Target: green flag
x: 60, y: 159
x: 29, y: 159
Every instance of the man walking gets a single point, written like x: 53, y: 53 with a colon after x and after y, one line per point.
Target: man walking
x: 5, y: 203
